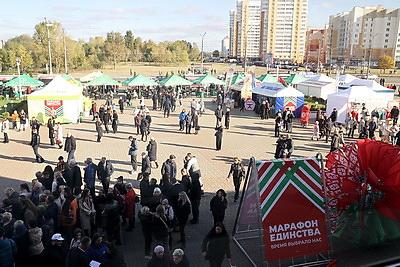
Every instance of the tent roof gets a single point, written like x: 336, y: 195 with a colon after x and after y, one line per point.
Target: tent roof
x: 267, y: 78
x: 322, y: 78
x: 174, y: 80
x: 346, y: 78
x: 276, y: 90
x: 237, y: 78
x: 24, y: 80
x: 357, y: 93
x: 91, y: 76
x: 58, y: 86
x: 368, y: 83
x: 208, y: 79
x: 295, y: 79
x: 314, y: 83
x: 103, y: 80
x: 139, y: 80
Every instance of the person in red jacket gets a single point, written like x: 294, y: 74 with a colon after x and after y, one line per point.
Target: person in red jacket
x: 130, y: 206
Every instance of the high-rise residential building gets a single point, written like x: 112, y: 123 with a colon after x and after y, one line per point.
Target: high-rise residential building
x: 245, y: 29
x: 364, y: 34
x: 315, y: 52
x: 283, y: 29
x: 225, y: 46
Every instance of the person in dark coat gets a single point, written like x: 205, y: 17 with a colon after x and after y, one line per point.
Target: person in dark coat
x: 218, y: 205
x: 138, y: 122
x: 372, y: 126
x: 238, y: 172
x: 182, y: 212
x: 218, y: 136
x: 216, y: 245
x: 188, y: 122
x: 99, y: 129
x: 160, y: 227
x: 289, y: 145
x: 76, y: 174
x: 333, y: 115
x: 144, y: 129
x: 218, y: 115
x: 152, y: 151
x: 336, y: 140
x: 149, y: 120
x: 227, y: 118
x: 114, y: 124
x: 146, y: 220
x: 35, y: 145
x: 262, y: 110
x: 278, y: 124
x: 89, y: 176
x: 195, y: 197
x: 70, y: 146
x: 179, y: 259
x: 169, y: 169
x: 53, y: 254
x: 154, y: 98
x: 114, y: 257
x: 394, y: 112
x: 289, y: 121
x: 167, y: 108
x: 121, y: 105
x: 104, y: 171
x: 21, y: 238
x: 160, y: 258
x: 281, y: 149
x: 77, y: 256
x: 106, y: 120
x: 132, y: 152
x: 146, y: 168
x: 50, y: 125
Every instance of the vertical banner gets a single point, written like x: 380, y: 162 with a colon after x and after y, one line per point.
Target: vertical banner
x: 53, y: 108
x: 248, y: 83
x: 292, y: 208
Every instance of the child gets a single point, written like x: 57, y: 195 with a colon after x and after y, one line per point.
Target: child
x: 315, y: 131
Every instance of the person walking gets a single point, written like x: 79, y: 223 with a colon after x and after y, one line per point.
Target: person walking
x: 182, y: 214
x: 336, y: 140
x: 218, y: 136
x: 50, y: 125
x: 169, y: 169
x: 167, y: 107
x: 133, y: 151
x: 99, y: 129
x: 35, y: 145
x: 218, y: 114
x: 182, y: 117
x: 152, y: 151
x: 216, y: 245
x: 188, y: 122
x: 227, y: 118
x: 262, y: 110
x: 238, y: 172
x: 70, y: 146
x: 289, y: 121
x: 104, y: 171
x: 59, y: 135
x: 121, y: 105
x: 23, y: 119
x: 146, y: 168
x: 114, y: 123
x: 289, y: 145
x: 218, y: 205
x: 144, y: 129
x: 107, y: 119
x: 138, y: 122
x: 5, y: 128
x: 278, y: 124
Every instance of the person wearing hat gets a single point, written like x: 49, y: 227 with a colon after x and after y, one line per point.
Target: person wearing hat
x: 54, y: 254
x: 159, y: 258
x: 146, y: 167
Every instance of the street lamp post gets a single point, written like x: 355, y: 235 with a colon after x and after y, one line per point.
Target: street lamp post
x: 48, y: 41
x: 202, y: 49
x: 371, y: 39
x: 18, y: 60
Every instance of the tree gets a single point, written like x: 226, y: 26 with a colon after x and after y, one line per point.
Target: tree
x: 115, y: 47
x: 385, y: 62
x: 215, y: 53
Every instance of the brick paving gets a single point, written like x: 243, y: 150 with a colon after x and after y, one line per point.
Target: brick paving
x: 248, y: 136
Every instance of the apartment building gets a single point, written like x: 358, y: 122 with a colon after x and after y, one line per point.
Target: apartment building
x: 315, y: 52
x: 225, y: 46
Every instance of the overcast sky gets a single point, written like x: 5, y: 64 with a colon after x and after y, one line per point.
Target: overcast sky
x: 158, y: 20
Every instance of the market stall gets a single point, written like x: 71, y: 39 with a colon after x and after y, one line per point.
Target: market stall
x: 354, y: 98
x: 60, y: 99
x: 318, y: 89
x: 280, y: 97
x: 384, y: 92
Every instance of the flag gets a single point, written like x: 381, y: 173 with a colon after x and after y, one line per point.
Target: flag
x: 282, y: 81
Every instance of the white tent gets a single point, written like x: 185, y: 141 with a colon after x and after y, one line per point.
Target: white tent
x: 91, y: 76
x: 322, y: 78
x: 59, y: 98
x: 317, y: 88
x: 276, y: 90
x: 344, y: 100
x: 384, y: 92
x: 346, y: 78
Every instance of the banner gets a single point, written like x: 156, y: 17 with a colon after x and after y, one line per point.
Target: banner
x: 53, y: 108
x: 292, y: 208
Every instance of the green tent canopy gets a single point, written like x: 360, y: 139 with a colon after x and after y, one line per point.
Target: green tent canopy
x: 24, y: 80
x: 71, y: 80
x: 295, y: 79
x: 139, y: 80
x: 174, y: 80
x: 237, y: 78
x: 103, y: 80
x: 267, y: 78
x: 208, y: 79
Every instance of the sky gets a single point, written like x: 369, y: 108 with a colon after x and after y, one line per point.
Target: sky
x: 158, y: 20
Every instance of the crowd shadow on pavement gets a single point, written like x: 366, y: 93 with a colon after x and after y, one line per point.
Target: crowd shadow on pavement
x: 188, y: 146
